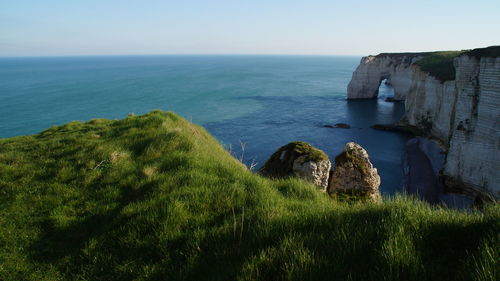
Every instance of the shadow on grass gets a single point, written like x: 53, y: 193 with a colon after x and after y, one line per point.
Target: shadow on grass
x: 348, y: 245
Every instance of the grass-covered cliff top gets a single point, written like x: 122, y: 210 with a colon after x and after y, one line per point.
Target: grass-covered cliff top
x: 404, y: 55
x: 155, y: 197
x: 440, y: 64
x: 492, y: 52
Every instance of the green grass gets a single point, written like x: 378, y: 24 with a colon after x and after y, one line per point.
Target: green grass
x: 492, y: 52
x: 440, y: 64
x: 155, y: 197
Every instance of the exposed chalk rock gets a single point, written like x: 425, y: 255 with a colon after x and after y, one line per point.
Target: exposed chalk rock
x: 397, y: 68
x: 474, y: 141
x: 299, y: 159
x: 354, y: 174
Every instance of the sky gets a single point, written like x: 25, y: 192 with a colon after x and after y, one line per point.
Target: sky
x: 308, y: 27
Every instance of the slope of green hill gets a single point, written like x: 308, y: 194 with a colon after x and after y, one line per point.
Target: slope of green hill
x: 155, y: 197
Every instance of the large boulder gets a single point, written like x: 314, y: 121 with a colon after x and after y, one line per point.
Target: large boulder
x: 354, y: 174
x: 299, y: 159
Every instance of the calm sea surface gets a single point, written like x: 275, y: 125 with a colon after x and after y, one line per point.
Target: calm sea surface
x: 263, y: 102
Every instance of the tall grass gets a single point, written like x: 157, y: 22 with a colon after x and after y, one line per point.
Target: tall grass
x: 155, y: 197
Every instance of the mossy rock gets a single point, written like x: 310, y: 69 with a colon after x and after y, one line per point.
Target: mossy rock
x: 280, y: 164
x: 354, y: 174
x: 357, y: 161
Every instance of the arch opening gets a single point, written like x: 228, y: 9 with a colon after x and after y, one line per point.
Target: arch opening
x: 385, y: 90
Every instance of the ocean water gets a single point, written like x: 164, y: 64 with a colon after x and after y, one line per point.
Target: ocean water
x: 259, y: 102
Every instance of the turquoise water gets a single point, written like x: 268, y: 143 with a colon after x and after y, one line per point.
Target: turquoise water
x: 261, y: 101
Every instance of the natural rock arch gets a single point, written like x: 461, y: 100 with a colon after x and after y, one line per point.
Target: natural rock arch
x: 372, y: 70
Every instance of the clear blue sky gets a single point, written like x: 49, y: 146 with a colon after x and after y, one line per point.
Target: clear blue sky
x: 351, y: 27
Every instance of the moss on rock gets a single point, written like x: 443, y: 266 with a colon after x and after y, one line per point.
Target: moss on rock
x: 280, y: 164
x: 356, y: 161
x: 354, y: 175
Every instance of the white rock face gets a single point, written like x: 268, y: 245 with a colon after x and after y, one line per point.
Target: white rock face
x: 372, y: 70
x: 474, y: 144
x: 429, y: 103
x: 315, y: 172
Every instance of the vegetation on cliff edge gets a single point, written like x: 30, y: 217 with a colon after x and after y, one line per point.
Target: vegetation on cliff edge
x: 492, y: 52
x: 440, y: 64
x: 155, y: 197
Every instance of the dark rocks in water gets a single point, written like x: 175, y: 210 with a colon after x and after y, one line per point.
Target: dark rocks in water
x: 354, y: 174
x: 338, y: 125
x: 399, y: 127
x: 342, y: 125
x: 392, y: 99
x: 299, y: 159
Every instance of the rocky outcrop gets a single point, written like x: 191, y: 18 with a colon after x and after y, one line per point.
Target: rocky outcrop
x: 462, y: 114
x: 299, y: 159
x: 397, y: 68
x: 354, y: 174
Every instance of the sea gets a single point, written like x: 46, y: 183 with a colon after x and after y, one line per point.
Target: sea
x: 253, y: 104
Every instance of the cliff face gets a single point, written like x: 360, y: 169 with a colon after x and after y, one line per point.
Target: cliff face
x: 474, y: 140
x: 429, y: 104
x: 463, y: 113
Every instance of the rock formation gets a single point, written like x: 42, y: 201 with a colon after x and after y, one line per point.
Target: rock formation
x: 463, y: 114
x: 299, y: 159
x: 354, y: 174
x: 397, y: 68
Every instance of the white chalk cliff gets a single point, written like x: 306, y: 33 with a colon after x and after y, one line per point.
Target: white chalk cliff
x: 373, y: 69
x: 474, y: 140
x: 463, y: 113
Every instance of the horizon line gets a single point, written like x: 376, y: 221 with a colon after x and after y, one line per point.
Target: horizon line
x: 177, y: 54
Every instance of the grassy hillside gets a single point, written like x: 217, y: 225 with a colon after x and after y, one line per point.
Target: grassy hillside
x: 154, y: 197
x: 440, y: 64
